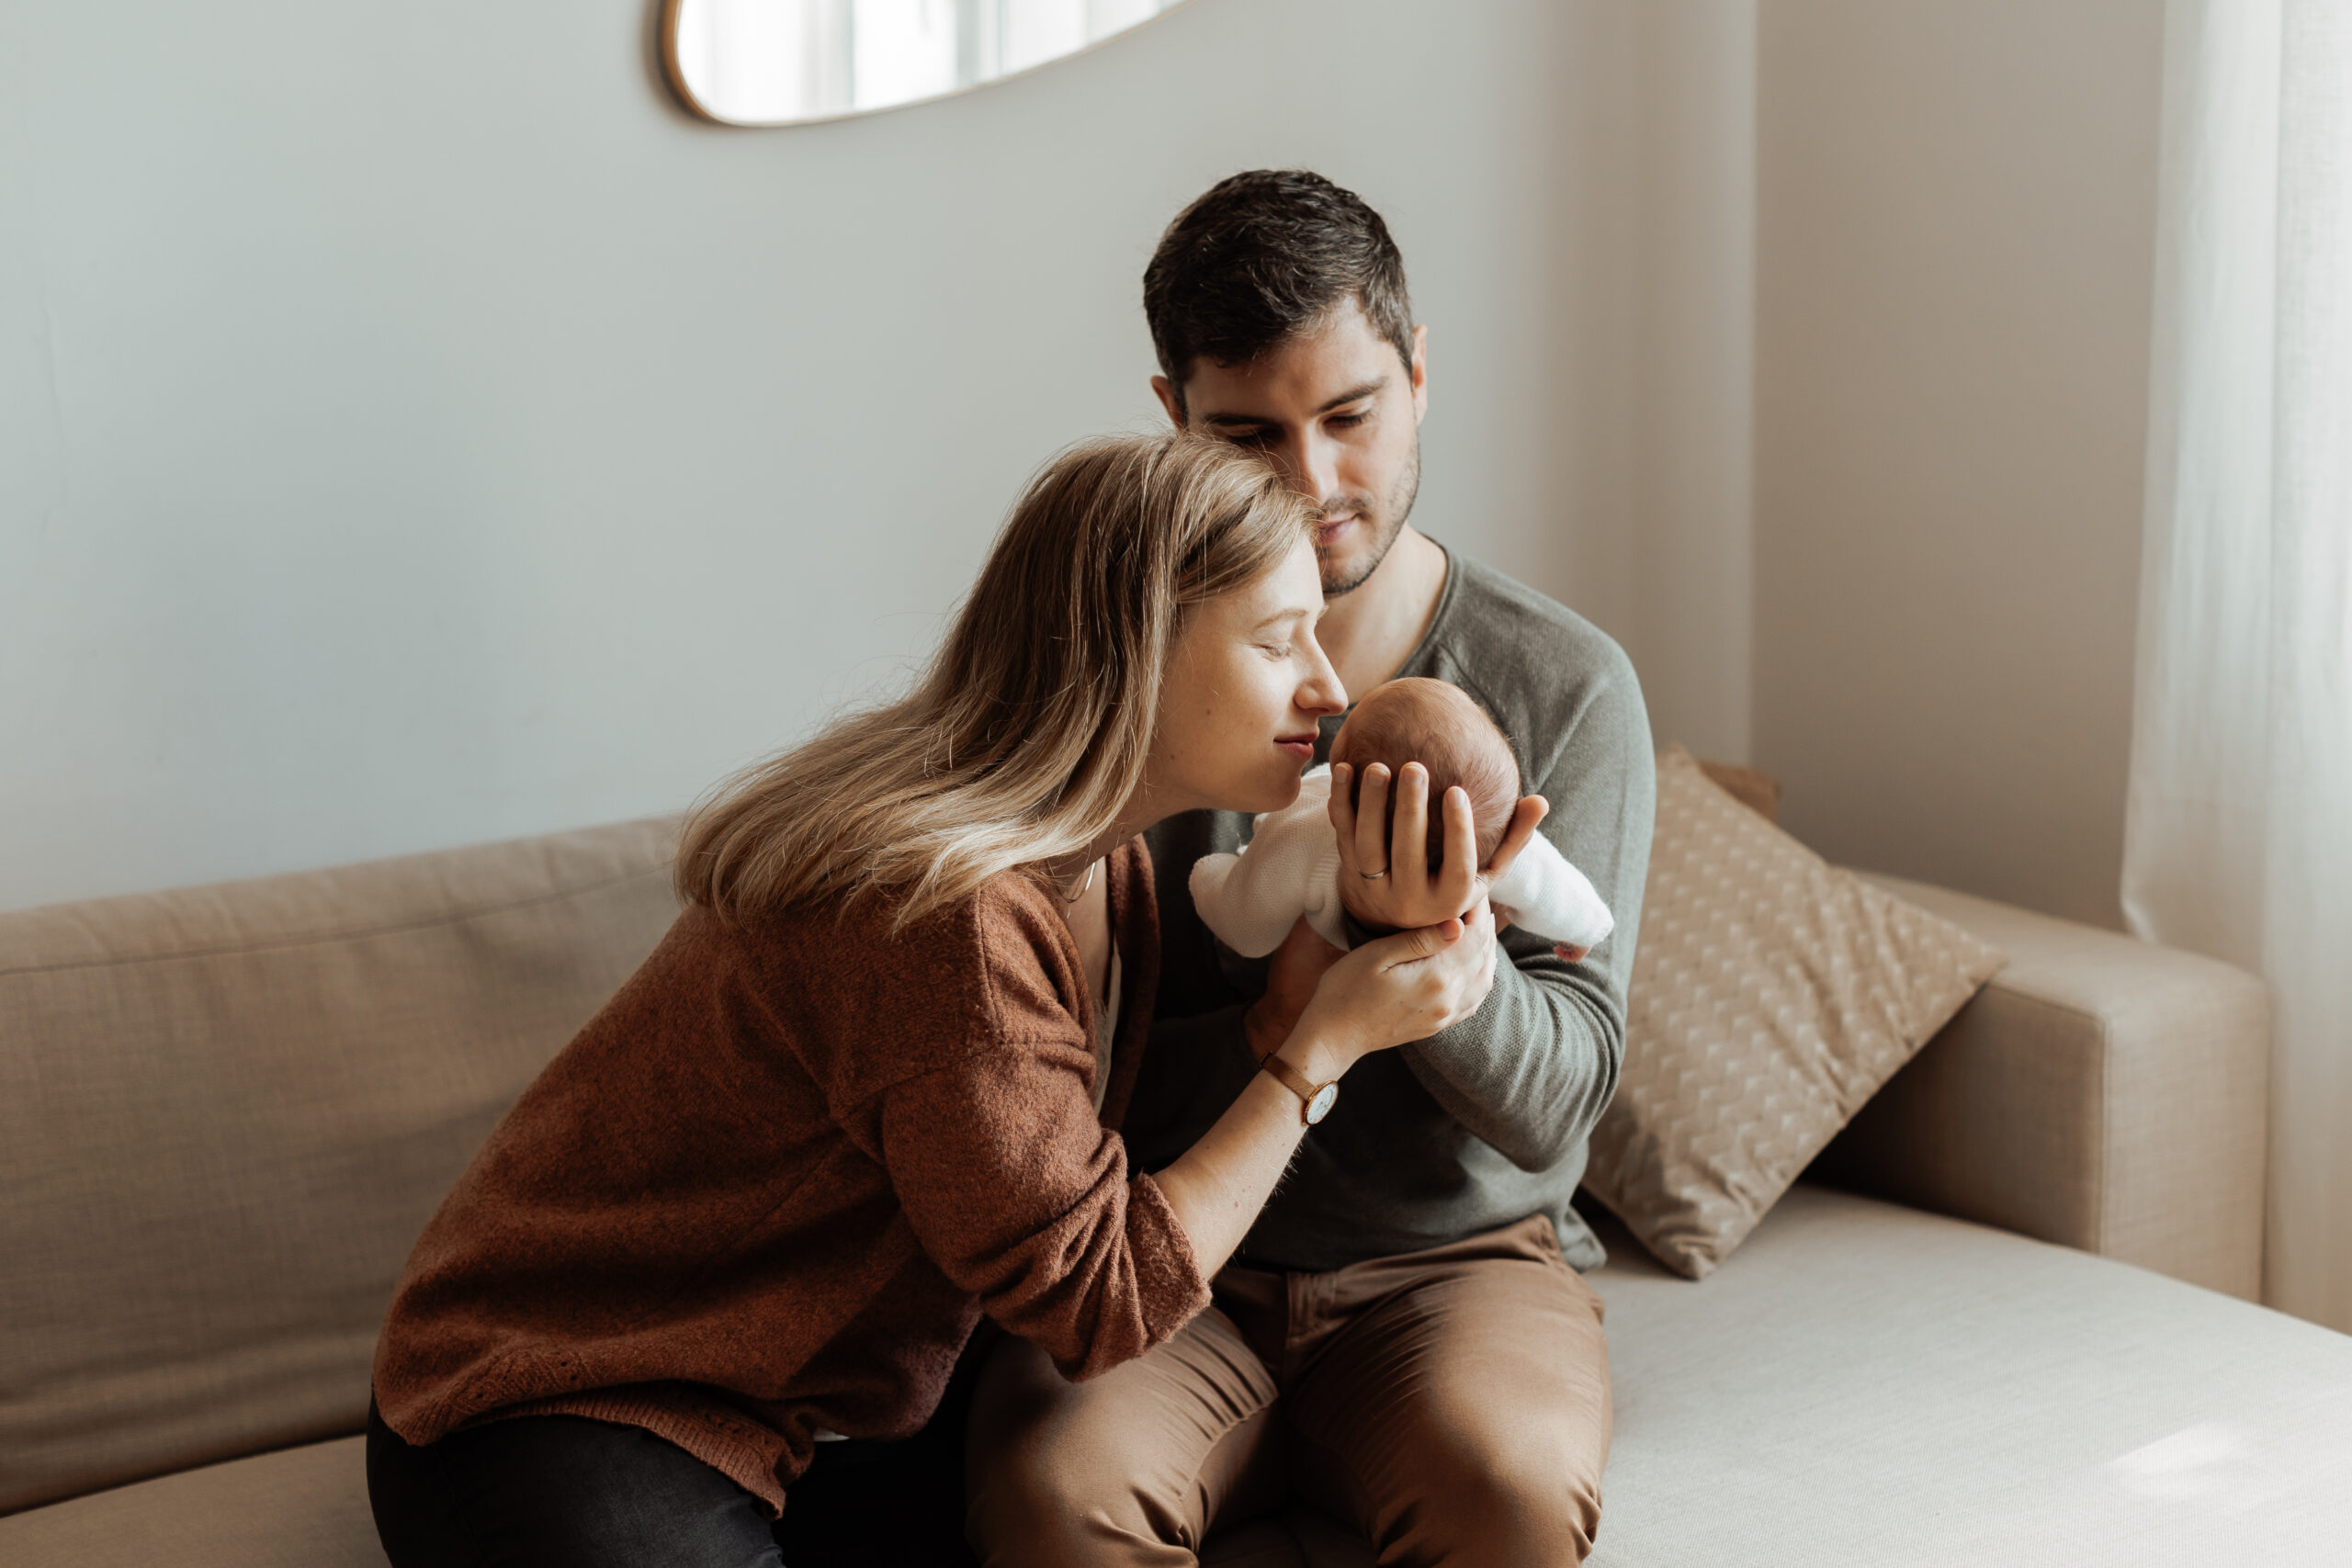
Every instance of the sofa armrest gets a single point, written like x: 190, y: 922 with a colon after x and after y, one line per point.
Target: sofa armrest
x: 2101, y: 1092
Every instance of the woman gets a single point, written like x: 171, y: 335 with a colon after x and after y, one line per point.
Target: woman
x: 859, y: 1096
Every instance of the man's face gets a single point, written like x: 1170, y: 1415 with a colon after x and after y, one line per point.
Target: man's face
x: 1340, y: 415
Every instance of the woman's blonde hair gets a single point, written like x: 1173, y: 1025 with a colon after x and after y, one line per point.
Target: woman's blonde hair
x: 1031, y: 727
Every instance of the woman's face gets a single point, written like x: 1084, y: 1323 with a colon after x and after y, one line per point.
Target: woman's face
x: 1245, y: 685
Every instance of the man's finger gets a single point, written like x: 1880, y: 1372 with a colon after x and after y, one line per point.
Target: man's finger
x: 1525, y: 818
x: 1342, y: 807
x: 1372, y: 819
x: 1459, y: 876
x: 1409, y: 840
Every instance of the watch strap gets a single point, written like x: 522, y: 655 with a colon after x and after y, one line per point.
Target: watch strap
x: 1291, y: 1079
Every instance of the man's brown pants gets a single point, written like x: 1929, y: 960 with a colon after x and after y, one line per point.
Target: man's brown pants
x: 1452, y: 1405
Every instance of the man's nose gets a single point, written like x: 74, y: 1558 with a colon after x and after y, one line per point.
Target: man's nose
x: 1312, y: 465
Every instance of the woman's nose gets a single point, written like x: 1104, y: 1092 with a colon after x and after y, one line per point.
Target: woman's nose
x: 1323, y: 693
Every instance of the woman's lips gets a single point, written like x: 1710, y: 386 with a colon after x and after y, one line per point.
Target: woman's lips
x: 1299, y: 746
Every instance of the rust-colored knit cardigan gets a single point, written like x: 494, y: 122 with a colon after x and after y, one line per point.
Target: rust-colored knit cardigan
x: 772, y: 1186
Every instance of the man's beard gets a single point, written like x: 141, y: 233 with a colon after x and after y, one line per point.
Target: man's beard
x: 1385, y: 523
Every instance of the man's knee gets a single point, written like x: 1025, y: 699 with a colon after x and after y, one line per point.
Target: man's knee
x: 1525, y: 1513
x: 1033, y: 1467
x: 1128, y: 1467
x: 1074, y: 1493
x: 1023, y: 1505
x: 1519, y: 1503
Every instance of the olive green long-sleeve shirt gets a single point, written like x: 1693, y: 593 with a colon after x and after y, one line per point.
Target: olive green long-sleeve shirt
x: 1484, y: 1123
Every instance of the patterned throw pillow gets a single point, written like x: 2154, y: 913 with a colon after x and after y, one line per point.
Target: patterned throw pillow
x: 1772, y: 995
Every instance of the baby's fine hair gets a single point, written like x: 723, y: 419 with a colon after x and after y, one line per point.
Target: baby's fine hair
x: 1443, y: 727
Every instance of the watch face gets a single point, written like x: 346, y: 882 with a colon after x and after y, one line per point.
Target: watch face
x: 1320, y: 1106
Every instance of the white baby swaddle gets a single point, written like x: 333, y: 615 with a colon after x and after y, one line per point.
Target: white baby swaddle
x: 1290, y: 867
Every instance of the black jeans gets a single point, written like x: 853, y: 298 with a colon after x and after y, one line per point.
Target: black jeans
x: 565, y: 1492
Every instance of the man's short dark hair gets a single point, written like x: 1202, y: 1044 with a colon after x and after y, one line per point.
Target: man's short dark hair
x: 1262, y: 257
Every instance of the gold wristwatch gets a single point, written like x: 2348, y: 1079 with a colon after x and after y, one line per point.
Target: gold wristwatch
x: 1314, y: 1100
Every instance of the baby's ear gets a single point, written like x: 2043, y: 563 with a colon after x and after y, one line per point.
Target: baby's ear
x: 1572, y: 953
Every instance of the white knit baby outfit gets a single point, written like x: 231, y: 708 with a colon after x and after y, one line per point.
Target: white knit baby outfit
x: 1290, y: 867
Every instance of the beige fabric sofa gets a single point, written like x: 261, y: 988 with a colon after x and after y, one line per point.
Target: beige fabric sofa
x: 225, y: 1113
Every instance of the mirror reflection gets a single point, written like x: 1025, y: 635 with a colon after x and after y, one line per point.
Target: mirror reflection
x: 776, y: 62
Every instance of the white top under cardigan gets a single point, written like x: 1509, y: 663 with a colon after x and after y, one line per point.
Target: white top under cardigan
x: 1290, y: 867
x: 1106, y: 1031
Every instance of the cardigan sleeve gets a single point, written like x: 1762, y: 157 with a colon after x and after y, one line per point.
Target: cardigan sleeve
x: 1020, y: 1197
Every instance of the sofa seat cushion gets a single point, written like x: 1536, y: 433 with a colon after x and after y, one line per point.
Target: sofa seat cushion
x: 303, y: 1507
x: 1860, y: 1384
x: 1866, y: 1383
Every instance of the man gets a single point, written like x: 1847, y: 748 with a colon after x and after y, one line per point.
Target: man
x: 1403, y: 1339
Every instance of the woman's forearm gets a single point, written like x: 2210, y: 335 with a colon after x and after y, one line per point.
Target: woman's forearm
x: 1217, y: 1186
x: 1406, y: 987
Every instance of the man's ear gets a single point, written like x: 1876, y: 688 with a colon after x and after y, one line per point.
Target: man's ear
x: 1420, y: 373
x: 1165, y: 390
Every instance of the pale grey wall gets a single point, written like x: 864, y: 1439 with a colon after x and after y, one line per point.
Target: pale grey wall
x: 414, y: 429
x: 1689, y: 627
x: 1956, y: 241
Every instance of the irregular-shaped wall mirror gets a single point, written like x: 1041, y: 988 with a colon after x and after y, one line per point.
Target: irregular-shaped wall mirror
x: 776, y: 62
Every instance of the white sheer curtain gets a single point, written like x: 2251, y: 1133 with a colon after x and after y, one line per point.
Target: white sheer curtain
x: 2239, y: 832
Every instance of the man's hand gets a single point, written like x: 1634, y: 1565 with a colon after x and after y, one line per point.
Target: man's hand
x: 1299, y: 963
x: 1409, y: 894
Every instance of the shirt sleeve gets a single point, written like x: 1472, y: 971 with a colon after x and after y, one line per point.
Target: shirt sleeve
x: 1019, y: 1195
x: 1532, y: 1069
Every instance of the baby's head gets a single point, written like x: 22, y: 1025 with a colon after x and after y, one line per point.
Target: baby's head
x: 1436, y: 725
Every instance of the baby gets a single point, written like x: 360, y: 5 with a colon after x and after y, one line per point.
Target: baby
x: 1290, y: 866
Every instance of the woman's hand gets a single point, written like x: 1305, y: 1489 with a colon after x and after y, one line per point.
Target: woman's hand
x: 1409, y: 894
x: 1401, y: 987
x: 1395, y: 990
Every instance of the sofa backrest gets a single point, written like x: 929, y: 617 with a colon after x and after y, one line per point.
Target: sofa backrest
x: 227, y: 1111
